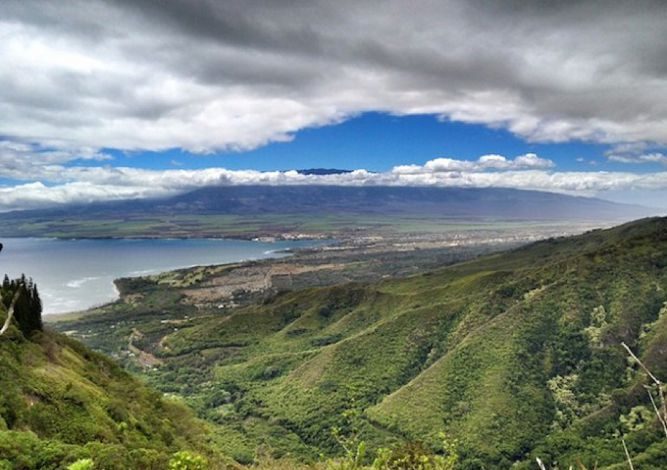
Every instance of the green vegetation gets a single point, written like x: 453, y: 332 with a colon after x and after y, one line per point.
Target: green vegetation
x: 515, y: 356
x: 82, y: 464
x: 185, y: 460
x: 246, y: 227
x: 65, y: 406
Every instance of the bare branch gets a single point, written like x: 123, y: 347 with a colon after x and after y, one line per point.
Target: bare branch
x: 541, y: 465
x: 641, y: 364
x: 661, y: 393
x: 661, y: 417
x: 627, y: 454
x: 10, y: 312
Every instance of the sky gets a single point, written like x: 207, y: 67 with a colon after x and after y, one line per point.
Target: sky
x: 104, y: 100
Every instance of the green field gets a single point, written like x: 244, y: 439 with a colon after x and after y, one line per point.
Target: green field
x: 237, y: 226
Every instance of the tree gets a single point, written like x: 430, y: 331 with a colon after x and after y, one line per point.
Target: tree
x: 22, y: 302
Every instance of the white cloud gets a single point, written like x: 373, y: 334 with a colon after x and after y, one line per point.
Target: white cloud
x: 636, y: 153
x: 22, y: 161
x: 485, y: 162
x: 642, y: 158
x: 38, y: 195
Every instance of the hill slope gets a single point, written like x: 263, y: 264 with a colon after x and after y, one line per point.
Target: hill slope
x: 61, y: 402
x: 451, y: 202
x: 515, y: 355
x: 256, y: 210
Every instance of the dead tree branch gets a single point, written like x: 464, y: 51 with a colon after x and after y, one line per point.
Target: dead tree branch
x: 10, y: 312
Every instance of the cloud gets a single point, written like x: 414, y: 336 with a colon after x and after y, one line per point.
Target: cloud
x: 485, y: 162
x: 22, y: 161
x: 636, y: 152
x: 204, y: 76
x: 643, y: 158
x: 37, y: 195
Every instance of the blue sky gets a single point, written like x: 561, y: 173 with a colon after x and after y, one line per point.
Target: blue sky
x: 378, y: 142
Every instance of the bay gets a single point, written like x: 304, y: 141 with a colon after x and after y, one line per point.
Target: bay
x: 73, y: 275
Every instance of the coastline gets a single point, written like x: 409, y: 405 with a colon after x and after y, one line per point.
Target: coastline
x: 45, y: 260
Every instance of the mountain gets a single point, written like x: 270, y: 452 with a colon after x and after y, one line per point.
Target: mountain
x: 323, y: 171
x: 513, y: 356
x: 441, y: 202
x: 249, y: 211
x: 61, y: 402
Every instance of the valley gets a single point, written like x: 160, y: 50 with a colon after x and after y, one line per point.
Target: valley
x: 392, y: 345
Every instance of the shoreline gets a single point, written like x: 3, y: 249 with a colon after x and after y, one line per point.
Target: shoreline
x: 268, y: 256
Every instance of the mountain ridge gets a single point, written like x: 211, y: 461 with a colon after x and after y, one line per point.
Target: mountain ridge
x: 261, y: 199
x: 307, y: 211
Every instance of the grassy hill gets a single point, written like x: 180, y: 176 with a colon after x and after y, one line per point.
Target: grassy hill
x: 513, y: 356
x: 61, y: 402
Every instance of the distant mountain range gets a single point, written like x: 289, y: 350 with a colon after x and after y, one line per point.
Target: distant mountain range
x: 295, y: 211
x: 376, y: 200
x: 323, y: 171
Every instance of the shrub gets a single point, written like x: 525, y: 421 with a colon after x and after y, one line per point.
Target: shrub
x: 185, y: 460
x: 82, y: 464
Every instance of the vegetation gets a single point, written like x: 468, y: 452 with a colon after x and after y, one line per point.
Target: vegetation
x: 247, y: 227
x: 515, y: 356
x: 64, y: 406
x: 22, y: 297
x: 540, y: 352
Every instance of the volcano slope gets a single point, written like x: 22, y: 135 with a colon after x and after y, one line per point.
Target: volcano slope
x: 513, y: 355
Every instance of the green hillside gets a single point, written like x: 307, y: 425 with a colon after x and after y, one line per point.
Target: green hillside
x: 61, y: 402
x: 513, y: 356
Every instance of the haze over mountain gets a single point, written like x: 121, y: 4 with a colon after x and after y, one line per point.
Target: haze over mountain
x: 385, y: 201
